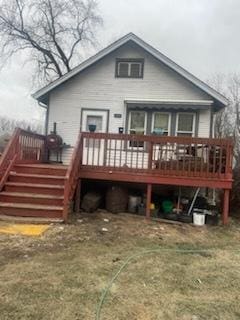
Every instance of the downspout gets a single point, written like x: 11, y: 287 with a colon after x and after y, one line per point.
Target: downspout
x: 212, y: 124
x: 42, y: 105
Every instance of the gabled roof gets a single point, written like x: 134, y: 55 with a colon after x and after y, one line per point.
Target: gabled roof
x: 42, y: 94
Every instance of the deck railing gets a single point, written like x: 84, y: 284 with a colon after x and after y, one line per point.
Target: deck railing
x: 72, y: 176
x: 32, y: 147
x: 161, y: 155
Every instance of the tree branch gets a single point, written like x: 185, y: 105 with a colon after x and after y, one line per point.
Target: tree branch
x: 52, y: 29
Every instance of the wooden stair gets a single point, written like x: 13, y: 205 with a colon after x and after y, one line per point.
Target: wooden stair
x: 30, y: 188
x: 34, y: 190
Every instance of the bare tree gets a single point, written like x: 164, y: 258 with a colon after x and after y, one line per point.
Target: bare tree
x: 223, y: 119
x: 234, y: 110
x: 7, y: 125
x: 227, y: 122
x: 52, y: 31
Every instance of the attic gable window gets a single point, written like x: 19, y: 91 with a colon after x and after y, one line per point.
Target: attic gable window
x: 129, y: 68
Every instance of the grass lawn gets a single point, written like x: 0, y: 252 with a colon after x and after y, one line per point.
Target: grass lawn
x: 61, y: 275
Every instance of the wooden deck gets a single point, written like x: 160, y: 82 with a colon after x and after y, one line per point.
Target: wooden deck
x: 30, y: 188
x: 184, y: 161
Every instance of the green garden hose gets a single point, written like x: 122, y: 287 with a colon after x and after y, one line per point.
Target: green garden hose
x: 136, y: 255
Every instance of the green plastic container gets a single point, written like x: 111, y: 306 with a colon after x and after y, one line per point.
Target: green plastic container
x: 167, y: 206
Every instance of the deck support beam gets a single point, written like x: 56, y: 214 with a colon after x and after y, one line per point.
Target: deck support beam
x: 78, y: 196
x: 134, y: 175
x: 225, y: 211
x: 148, y: 204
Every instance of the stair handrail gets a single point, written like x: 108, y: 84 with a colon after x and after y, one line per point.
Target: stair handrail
x: 14, y: 151
x: 9, y: 156
x: 72, y: 175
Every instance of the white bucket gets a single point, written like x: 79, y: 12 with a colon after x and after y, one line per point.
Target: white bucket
x: 133, y: 202
x: 198, y: 219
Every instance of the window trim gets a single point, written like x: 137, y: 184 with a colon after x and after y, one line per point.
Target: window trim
x: 94, y: 111
x: 130, y: 60
x: 169, y: 120
x: 194, y: 123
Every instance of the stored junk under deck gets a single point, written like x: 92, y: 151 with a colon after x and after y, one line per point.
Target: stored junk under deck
x: 153, y: 159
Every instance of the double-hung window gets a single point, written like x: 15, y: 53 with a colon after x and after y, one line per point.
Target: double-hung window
x: 161, y: 123
x: 137, y: 125
x: 185, y: 125
x: 129, y: 68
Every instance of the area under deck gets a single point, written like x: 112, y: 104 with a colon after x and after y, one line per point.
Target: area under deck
x: 163, y: 160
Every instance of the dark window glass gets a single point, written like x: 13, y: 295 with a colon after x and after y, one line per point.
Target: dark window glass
x: 135, y: 71
x: 123, y: 69
x: 185, y: 122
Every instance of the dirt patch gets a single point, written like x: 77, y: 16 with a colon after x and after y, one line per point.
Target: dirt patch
x: 61, y: 274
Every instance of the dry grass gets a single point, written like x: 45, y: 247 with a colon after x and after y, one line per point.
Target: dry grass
x: 62, y: 274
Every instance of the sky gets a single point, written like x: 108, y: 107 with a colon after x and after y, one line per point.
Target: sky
x: 200, y: 35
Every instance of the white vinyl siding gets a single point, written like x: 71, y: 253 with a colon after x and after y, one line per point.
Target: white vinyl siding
x: 204, y: 123
x: 97, y: 87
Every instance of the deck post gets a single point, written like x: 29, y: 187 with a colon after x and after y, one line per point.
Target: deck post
x: 225, y: 206
x: 148, y: 204
x: 78, y: 196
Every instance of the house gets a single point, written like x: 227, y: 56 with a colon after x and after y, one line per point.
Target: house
x: 153, y: 123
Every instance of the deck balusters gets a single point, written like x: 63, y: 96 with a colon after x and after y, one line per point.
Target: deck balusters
x: 163, y: 155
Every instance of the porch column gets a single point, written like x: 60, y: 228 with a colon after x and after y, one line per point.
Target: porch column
x: 225, y: 206
x: 148, y: 204
x: 78, y: 196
